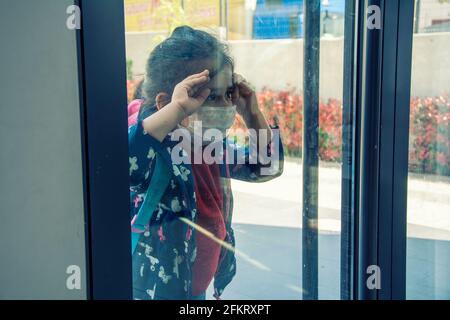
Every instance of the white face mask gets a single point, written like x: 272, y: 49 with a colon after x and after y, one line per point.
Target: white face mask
x: 220, y: 118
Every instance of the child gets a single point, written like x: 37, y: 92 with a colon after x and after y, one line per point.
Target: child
x: 189, y: 240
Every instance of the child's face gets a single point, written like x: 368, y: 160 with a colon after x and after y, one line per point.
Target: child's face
x: 221, y: 85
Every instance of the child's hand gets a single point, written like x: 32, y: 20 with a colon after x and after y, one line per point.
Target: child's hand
x: 187, y: 97
x: 190, y: 93
x: 244, y: 97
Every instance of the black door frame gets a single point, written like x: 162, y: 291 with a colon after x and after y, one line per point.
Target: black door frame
x: 384, y: 93
x: 103, y: 100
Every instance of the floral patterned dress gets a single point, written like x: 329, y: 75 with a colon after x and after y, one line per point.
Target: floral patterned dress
x: 165, y: 253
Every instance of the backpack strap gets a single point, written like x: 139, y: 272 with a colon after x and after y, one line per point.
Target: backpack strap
x: 158, y: 185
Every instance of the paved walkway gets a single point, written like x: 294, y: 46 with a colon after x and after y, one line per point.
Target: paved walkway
x: 274, y: 270
x: 428, y: 202
x: 267, y: 222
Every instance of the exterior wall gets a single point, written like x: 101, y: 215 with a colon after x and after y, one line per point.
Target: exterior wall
x: 278, y: 64
x: 41, y: 191
x: 432, y: 10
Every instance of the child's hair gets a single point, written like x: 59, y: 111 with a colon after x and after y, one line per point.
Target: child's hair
x: 138, y: 91
x: 177, y: 57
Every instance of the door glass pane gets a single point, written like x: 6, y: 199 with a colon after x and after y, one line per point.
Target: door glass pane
x: 266, y: 41
x: 428, y: 245
x: 331, y: 137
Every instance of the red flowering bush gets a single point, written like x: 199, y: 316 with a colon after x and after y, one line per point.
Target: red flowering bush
x: 285, y: 108
x: 429, y: 135
x: 131, y: 88
x: 330, y: 130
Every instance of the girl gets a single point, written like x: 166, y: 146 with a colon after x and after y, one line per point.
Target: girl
x: 189, y: 241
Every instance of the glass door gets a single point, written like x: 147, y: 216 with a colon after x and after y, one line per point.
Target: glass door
x: 428, y: 244
x: 297, y: 57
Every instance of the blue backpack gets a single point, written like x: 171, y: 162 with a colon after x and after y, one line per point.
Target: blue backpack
x: 158, y: 185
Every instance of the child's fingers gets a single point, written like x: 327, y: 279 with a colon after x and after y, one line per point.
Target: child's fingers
x: 194, y: 85
x: 240, y: 82
x: 237, y: 78
x: 196, y: 81
x: 235, y: 94
x: 245, y: 88
x: 203, y: 95
x: 197, y: 75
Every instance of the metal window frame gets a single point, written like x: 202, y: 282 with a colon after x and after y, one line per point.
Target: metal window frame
x: 103, y: 100
x: 350, y: 147
x: 310, y: 153
x: 385, y: 97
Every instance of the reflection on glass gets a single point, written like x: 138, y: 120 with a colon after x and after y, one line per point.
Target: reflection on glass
x: 265, y: 48
x: 428, y: 245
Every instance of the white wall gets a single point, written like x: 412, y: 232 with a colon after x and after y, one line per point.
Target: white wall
x: 278, y: 64
x: 432, y: 10
x: 431, y: 64
x: 41, y: 199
